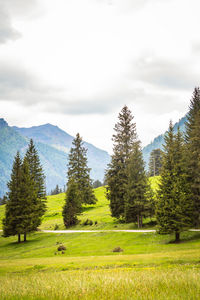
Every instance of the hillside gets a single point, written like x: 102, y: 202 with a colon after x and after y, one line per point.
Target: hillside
x: 53, y: 145
x: 99, y: 213
x: 158, y: 142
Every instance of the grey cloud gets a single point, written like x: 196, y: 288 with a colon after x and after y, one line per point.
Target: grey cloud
x: 9, y: 9
x: 165, y: 73
x: 7, y: 32
x: 18, y: 85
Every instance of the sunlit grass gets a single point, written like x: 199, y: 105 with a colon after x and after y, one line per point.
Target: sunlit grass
x: 180, y: 283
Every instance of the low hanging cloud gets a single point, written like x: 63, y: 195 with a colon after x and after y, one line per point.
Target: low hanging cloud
x: 180, y: 75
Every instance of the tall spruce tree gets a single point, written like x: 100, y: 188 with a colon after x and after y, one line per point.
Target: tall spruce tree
x: 20, y: 212
x: 137, y: 187
x: 116, y: 174
x: 79, y: 172
x: 174, y: 205
x: 13, y: 205
x: 193, y: 152
x: 155, y: 162
x: 38, y: 177
x: 72, y: 206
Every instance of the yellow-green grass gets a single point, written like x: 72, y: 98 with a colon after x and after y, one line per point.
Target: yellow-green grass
x: 151, y: 267
x: 117, y: 284
x: 44, y: 245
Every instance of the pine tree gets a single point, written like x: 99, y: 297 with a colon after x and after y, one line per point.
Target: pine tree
x: 79, y: 172
x: 193, y: 152
x: 136, y: 189
x: 38, y: 176
x: 72, y: 206
x: 116, y: 174
x: 155, y: 162
x: 20, y: 212
x: 13, y: 207
x: 28, y: 201
x: 174, y: 205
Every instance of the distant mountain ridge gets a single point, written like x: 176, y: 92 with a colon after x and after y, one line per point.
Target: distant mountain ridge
x: 53, y: 145
x: 158, y: 142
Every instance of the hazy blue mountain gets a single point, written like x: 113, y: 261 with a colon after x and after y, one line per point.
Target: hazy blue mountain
x: 60, y: 140
x: 10, y: 142
x: 158, y: 142
x: 53, y: 145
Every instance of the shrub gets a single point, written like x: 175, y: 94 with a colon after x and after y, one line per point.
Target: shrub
x: 88, y: 222
x: 56, y: 227
x: 95, y: 223
x: 61, y: 248
x: 117, y: 249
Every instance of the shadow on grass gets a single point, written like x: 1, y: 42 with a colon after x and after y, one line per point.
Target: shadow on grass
x: 87, y: 208
x: 189, y: 236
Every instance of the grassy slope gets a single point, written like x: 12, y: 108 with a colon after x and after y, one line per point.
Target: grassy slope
x: 99, y: 212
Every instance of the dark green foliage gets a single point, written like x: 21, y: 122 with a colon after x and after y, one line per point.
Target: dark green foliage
x: 116, y: 175
x: 88, y: 222
x: 96, y: 184
x: 158, y: 142
x: 72, y: 206
x: 193, y: 152
x: 136, y: 189
x: 38, y: 177
x: 174, y: 206
x: 20, y: 212
x: 155, y: 162
x: 13, y: 206
x: 3, y: 200
x: 56, y: 191
x: 79, y: 172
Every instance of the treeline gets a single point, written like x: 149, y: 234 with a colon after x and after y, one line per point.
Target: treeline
x: 177, y: 203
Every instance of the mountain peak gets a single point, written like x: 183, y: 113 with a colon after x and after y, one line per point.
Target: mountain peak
x: 3, y: 123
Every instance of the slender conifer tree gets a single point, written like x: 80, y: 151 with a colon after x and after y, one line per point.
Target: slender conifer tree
x: 38, y: 177
x: 193, y: 152
x: 116, y: 174
x: 174, y: 206
x: 78, y: 171
x: 137, y: 187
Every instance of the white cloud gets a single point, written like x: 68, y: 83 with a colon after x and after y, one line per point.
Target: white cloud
x: 82, y: 60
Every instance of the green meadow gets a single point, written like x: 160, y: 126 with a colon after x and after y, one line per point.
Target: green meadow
x: 151, y: 266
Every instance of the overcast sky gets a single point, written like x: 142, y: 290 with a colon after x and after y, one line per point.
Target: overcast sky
x: 75, y: 63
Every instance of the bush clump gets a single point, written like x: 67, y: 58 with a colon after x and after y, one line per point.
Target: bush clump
x: 88, y: 222
x: 117, y: 249
x: 61, y: 248
x: 56, y: 227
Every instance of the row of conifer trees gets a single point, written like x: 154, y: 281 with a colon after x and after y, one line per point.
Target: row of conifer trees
x: 177, y: 202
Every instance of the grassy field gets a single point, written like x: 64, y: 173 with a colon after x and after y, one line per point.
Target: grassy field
x: 151, y: 266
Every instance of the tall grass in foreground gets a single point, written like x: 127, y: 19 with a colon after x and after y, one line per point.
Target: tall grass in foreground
x: 179, y: 283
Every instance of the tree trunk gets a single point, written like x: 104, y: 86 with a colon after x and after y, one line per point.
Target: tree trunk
x: 141, y: 221
x: 138, y: 221
x: 19, y: 238
x: 25, y: 237
x: 177, y: 236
